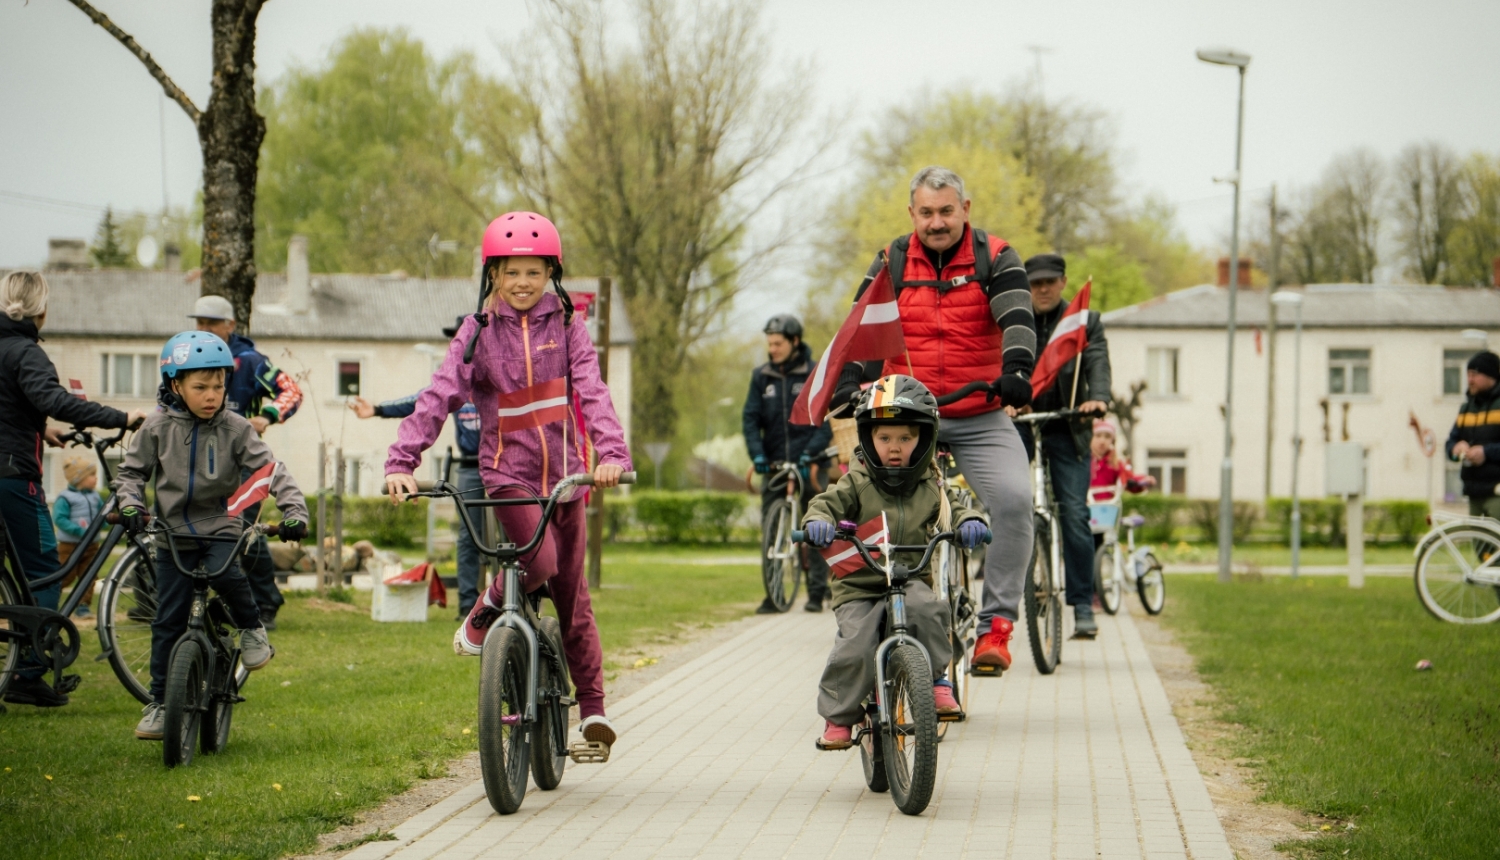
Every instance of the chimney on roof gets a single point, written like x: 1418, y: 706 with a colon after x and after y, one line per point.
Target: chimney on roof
x: 1244, y: 273
x: 67, y: 254
x: 298, y: 282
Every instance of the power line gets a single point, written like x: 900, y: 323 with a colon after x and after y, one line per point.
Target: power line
x: 18, y: 197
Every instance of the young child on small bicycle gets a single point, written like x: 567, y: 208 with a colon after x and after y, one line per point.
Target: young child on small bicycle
x: 72, y: 513
x: 197, y: 449
x: 521, y: 362
x: 1109, y: 468
x: 897, y: 420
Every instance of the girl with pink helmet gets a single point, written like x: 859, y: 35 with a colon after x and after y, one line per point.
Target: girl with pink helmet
x: 522, y: 348
x: 1108, y: 467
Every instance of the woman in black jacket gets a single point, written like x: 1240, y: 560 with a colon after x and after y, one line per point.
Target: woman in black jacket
x: 30, y: 394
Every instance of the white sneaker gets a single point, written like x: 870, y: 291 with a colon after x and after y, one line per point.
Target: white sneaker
x: 153, y: 724
x: 255, y: 648
x: 598, y: 729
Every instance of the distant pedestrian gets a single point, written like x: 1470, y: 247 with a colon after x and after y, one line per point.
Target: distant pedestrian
x: 74, y: 509
x: 1475, y: 437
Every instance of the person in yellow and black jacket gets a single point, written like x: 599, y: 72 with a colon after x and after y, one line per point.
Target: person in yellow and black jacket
x: 1475, y: 437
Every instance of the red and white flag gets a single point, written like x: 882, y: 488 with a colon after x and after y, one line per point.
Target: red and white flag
x: 842, y: 556
x: 256, y: 489
x: 75, y: 387
x: 871, y: 332
x: 534, y: 405
x: 1067, y: 341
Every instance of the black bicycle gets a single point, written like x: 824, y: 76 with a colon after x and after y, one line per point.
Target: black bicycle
x: 205, y: 673
x: 898, y: 738
x: 125, y: 610
x: 524, y: 684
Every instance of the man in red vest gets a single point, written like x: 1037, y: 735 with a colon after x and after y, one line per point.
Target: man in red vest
x: 965, y: 307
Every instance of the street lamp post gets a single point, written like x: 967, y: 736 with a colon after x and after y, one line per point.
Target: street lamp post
x: 1226, y: 57
x: 1287, y: 298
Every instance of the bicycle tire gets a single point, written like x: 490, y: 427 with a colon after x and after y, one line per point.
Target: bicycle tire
x: 10, y: 652
x: 1151, y: 585
x: 186, y: 690
x: 219, y: 714
x: 504, y: 742
x: 549, y: 747
x: 1440, y: 580
x: 872, y: 758
x: 1043, y: 605
x: 781, y: 565
x: 1112, y: 591
x: 911, y: 745
x: 127, y: 607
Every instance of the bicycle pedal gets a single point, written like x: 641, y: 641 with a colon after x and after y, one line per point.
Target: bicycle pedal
x: 1084, y: 637
x: 952, y: 718
x: 69, y: 683
x: 588, y: 752
x: 985, y: 669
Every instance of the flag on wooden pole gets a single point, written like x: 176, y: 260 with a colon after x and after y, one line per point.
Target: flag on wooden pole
x: 842, y: 556
x: 871, y: 332
x: 256, y: 489
x: 1067, y: 342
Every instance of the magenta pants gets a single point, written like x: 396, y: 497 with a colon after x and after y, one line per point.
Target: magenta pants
x: 557, y: 562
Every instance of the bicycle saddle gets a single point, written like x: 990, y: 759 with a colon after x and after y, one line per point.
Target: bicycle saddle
x: 1134, y: 521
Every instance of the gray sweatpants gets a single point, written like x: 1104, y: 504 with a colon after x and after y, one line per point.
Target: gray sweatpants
x: 990, y: 454
x: 850, y: 674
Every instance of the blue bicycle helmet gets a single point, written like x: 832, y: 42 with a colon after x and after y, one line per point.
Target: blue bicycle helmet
x: 194, y: 350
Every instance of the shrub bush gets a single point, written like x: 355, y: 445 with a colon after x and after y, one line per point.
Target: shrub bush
x: 375, y: 519
x: 1162, y: 513
x: 1323, y: 520
x: 1205, y: 516
x: 674, y: 517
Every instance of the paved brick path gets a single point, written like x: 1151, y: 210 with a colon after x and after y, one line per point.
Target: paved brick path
x: 716, y: 759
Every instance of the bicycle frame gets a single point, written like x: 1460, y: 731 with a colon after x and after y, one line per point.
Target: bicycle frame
x: 1488, y: 571
x: 1042, y: 503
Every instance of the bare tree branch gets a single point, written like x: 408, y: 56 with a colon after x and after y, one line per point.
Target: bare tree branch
x: 173, y: 91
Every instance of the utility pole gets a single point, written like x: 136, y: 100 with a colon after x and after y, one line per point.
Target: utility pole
x: 595, y: 513
x: 1271, y: 343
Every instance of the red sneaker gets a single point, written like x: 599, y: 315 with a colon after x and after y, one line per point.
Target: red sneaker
x: 992, y: 648
x: 468, y: 639
x: 942, y: 696
x: 836, y: 738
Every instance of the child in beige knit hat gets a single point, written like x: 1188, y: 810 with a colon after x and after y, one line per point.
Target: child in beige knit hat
x: 74, y: 509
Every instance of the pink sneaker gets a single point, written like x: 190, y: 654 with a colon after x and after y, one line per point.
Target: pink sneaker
x: 468, y: 639
x: 942, y: 696
x: 836, y: 738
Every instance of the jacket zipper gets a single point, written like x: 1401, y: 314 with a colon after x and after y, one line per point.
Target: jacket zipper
x: 192, y: 476
x: 541, y: 432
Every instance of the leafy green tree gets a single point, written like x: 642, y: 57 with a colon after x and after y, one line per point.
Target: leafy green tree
x: 108, y: 252
x: 1335, y: 229
x: 1428, y: 202
x: 1150, y: 238
x: 366, y: 154
x: 1476, y: 238
x: 1119, y: 280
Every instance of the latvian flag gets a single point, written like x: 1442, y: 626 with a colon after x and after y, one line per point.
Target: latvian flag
x: 254, y: 491
x: 1067, y: 341
x: 534, y: 405
x: 842, y: 556
x: 871, y: 332
x: 75, y: 387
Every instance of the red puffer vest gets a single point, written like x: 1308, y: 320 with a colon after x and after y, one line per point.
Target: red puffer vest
x: 951, y: 335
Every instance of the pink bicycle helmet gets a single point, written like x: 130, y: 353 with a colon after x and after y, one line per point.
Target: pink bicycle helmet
x: 522, y: 234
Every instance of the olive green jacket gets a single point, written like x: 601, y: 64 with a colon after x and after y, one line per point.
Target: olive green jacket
x: 912, y: 520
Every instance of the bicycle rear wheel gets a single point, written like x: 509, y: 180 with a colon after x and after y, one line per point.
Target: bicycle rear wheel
x: 504, y: 746
x: 187, y: 690
x: 1445, y: 583
x: 1043, y: 605
x: 1151, y: 585
x: 127, y: 607
x: 1107, y: 579
x: 911, y: 745
x: 549, y: 748
x: 872, y: 757
x: 781, y: 560
x: 10, y: 650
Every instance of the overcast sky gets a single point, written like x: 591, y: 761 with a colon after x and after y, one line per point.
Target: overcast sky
x: 81, y: 121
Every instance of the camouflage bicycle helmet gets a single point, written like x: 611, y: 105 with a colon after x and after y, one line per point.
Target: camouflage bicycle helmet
x: 786, y: 325
x: 898, y: 399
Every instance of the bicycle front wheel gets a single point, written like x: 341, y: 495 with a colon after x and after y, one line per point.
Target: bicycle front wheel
x: 10, y: 649
x: 1451, y: 583
x: 214, y: 734
x: 1107, y: 579
x: 781, y: 560
x: 1043, y: 605
x: 186, y: 694
x: 504, y: 746
x: 911, y: 744
x: 549, y: 749
x: 127, y: 607
x: 1151, y: 585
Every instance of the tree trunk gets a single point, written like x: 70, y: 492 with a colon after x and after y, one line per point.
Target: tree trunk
x: 230, y: 133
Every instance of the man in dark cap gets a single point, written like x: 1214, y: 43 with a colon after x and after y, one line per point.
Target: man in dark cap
x: 1475, y: 437
x: 466, y: 433
x: 1067, y: 441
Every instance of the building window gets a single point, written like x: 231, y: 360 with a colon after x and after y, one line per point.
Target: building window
x: 1169, y: 468
x: 1161, y: 370
x: 1348, y: 371
x: 1455, y: 361
x: 124, y: 374
x: 348, y: 379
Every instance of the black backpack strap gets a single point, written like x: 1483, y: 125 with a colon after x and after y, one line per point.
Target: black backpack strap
x: 896, y: 264
x: 981, y: 255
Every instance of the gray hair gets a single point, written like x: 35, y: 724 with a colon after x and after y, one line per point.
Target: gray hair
x: 937, y: 178
x: 23, y: 294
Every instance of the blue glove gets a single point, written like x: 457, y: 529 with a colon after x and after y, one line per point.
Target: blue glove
x: 760, y: 464
x: 804, y: 461
x: 972, y: 533
x: 819, y: 533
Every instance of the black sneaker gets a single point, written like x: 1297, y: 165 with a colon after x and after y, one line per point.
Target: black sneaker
x: 766, y: 608
x: 1084, y: 625
x: 268, y: 619
x: 34, y: 692
x: 814, y: 605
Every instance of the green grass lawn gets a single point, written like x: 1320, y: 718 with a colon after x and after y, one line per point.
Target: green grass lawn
x: 349, y: 713
x: 1336, y: 720
x: 1275, y: 555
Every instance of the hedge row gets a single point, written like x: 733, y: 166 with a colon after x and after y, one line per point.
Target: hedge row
x: 1170, y: 518
x: 665, y: 516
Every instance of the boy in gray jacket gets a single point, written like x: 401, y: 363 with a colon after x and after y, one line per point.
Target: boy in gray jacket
x: 197, y: 451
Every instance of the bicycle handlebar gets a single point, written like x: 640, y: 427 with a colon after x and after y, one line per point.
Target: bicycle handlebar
x: 845, y: 531
x: 1033, y: 417
x: 952, y: 397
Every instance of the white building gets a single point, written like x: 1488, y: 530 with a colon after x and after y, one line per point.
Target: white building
x: 1372, y: 356
x: 338, y: 335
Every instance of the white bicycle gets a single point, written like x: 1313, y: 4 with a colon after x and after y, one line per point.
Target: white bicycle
x: 1458, y: 569
x: 1115, y: 567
